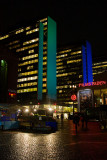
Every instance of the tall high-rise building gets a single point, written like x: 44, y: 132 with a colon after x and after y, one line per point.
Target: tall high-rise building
x: 35, y: 47
x: 74, y: 66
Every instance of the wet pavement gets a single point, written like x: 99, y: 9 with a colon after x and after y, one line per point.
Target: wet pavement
x: 64, y: 144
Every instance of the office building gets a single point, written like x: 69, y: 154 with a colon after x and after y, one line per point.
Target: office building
x: 74, y: 66
x: 35, y: 47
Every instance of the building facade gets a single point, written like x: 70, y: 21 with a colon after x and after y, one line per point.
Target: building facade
x: 35, y: 47
x: 74, y: 66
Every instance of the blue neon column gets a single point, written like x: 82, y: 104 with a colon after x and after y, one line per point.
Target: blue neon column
x: 89, y: 62
x: 40, y: 62
x: 84, y: 61
x: 51, y: 59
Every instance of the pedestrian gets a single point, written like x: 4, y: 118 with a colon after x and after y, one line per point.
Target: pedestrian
x: 76, y: 119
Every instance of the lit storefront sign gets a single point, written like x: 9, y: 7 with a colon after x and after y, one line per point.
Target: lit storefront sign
x: 97, y: 83
x: 73, y: 97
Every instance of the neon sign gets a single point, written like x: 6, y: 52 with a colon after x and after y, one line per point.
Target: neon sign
x: 73, y: 97
x: 98, y: 83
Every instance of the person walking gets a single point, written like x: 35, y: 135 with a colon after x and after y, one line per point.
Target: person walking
x: 76, y: 119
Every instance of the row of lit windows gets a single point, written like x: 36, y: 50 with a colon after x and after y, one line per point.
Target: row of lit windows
x: 31, y: 41
x: 100, y: 66
x: 42, y: 20
x: 98, y: 72
x: 28, y: 57
x: 64, y: 55
x: 6, y: 36
x: 27, y: 73
x: 31, y: 51
x: 28, y: 62
x: 44, y: 74
x: 32, y: 31
x: 27, y: 47
x: 29, y: 90
x: 59, y: 64
x: 27, y: 79
x: 14, y: 42
x: 16, y: 46
x: 19, y: 31
x: 27, y: 28
x: 29, y: 67
x: 44, y: 90
x: 74, y: 61
x: 44, y: 63
x: 66, y: 86
x: 65, y: 74
x: 68, y: 50
x: 27, y: 84
x: 61, y: 67
x: 26, y: 90
x: 100, y: 63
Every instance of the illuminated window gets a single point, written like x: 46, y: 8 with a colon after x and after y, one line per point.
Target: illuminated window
x: 27, y: 84
x: 4, y: 37
x: 27, y: 47
x: 19, y: 31
x: 62, y: 75
x: 27, y: 90
x: 27, y: 79
x: 44, y: 85
x: 59, y: 64
x: 44, y: 63
x: 28, y: 62
x: 44, y: 90
x: 60, y: 91
x: 74, y: 61
x: 16, y: 46
x: 27, y: 73
x: 31, y: 41
x: 29, y: 57
x: 27, y: 28
x: 42, y: 20
x: 32, y: 31
x: 44, y: 74
x: 29, y: 67
x: 44, y: 58
x: 31, y: 51
x: 14, y: 42
x: 44, y: 79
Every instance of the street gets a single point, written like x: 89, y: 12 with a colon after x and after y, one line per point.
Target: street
x: 64, y: 144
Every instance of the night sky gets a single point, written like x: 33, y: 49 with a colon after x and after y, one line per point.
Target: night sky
x: 77, y: 20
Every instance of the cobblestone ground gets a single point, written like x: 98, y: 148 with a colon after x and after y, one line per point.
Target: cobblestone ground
x: 65, y: 144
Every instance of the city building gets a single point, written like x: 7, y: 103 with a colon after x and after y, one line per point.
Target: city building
x: 45, y: 75
x: 35, y: 47
x: 74, y: 66
x: 8, y: 76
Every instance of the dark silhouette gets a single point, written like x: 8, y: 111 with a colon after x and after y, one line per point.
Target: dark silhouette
x: 76, y: 119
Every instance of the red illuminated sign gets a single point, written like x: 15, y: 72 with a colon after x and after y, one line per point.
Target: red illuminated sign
x: 12, y: 94
x: 98, y: 83
x: 73, y: 97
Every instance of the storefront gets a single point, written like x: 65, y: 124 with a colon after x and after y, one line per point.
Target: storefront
x: 92, y: 94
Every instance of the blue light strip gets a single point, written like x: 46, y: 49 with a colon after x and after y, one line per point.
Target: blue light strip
x: 89, y: 62
x: 84, y: 64
x: 40, y: 62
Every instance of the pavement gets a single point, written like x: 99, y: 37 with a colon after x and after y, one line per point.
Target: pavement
x: 88, y: 144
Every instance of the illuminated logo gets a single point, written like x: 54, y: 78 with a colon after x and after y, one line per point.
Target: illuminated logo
x: 98, y: 83
x: 73, y: 97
